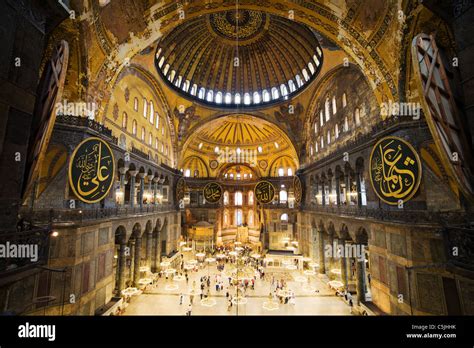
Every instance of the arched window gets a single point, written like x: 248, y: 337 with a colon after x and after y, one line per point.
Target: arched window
x: 238, y: 217
x: 256, y: 98
x: 322, y: 141
x: 329, y: 137
x: 305, y: 75
x: 157, y: 125
x: 291, y: 85
x: 210, y: 96
x: 299, y: 82
x: 346, y: 124
x: 196, y: 173
x: 284, y: 90
x: 172, y: 75
x: 275, y: 94
x: 145, y: 107
x: 194, y: 90
x: 266, y: 95
x: 219, y: 97
x: 336, y: 131
x: 311, y: 68
x: 316, y: 60
x: 284, y: 217
x: 334, y: 106
x: 290, y: 172
x: 202, y: 93
x: 165, y: 70
x: 247, y: 99
x: 124, y: 120
x: 228, y: 98
x: 156, y: 143
x: 238, y: 198
x: 187, y: 173
x: 135, y: 104
x: 250, y: 197
x: 226, y: 219
x: 152, y: 112
x: 281, y: 172
x: 143, y: 134
x: 311, y: 150
x: 226, y: 198
x: 162, y: 60
x: 344, y: 100
x: 134, y: 127
x: 320, y: 53
x: 186, y: 85
x: 316, y: 147
x: 150, y: 139
x: 321, y: 118
x: 178, y: 81
x: 237, y: 98
x: 283, y: 196
x: 316, y: 128
x: 357, y: 116
x: 326, y: 108
x: 250, y: 218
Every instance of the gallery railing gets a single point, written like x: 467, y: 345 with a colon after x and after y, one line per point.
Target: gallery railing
x: 79, y: 215
x: 23, y: 250
x: 86, y: 122
x: 140, y: 153
x: 402, y: 215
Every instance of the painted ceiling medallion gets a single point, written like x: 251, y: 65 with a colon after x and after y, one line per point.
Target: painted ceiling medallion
x: 239, y: 24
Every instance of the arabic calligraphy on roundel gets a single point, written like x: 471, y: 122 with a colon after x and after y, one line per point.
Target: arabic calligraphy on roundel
x: 395, y: 172
x: 92, y: 171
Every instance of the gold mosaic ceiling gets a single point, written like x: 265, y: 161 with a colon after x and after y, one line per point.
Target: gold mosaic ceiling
x: 239, y: 57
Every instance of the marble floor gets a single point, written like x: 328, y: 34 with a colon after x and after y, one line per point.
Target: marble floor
x: 312, y: 298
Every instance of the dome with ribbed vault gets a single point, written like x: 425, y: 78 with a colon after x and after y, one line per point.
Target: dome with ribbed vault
x: 239, y: 58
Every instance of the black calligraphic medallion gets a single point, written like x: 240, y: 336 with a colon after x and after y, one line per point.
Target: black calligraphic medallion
x: 264, y: 192
x: 212, y: 192
x: 395, y: 170
x: 91, y: 170
x: 298, y: 189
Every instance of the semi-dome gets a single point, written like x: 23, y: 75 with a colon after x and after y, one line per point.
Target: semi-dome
x: 239, y: 58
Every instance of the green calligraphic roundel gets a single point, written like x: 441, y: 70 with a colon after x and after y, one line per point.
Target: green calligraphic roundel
x: 395, y: 170
x: 212, y: 192
x: 264, y: 192
x: 91, y: 170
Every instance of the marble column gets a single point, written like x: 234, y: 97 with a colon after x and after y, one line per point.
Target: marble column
x: 149, y: 246
x: 360, y: 280
x: 338, y: 190
x: 122, y: 171
x: 136, y: 261
x: 156, y: 262
x: 359, y: 190
x: 122, y: 259
x: 322, y: 265
x: 343, y: 262
x: 150, y: 187
x: 142, y: 189
x: 155, y: 190
x: 132, y: 259
x: 132, y: 173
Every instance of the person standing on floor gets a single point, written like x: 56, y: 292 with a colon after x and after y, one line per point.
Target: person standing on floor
x: 189, y: 310
x: 181, y: 296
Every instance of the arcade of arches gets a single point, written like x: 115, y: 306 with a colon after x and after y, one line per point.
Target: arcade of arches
x: 245, y: 143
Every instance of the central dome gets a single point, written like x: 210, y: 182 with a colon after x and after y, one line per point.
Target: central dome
x: 239, y: 58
